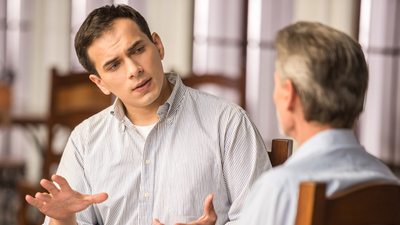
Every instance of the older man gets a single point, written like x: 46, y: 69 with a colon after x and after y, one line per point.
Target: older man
x: 320, y: 82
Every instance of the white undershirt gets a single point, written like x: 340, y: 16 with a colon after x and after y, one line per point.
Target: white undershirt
x: 144, y: 130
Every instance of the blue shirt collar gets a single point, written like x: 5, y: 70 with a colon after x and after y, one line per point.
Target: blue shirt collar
x: 323, y: 142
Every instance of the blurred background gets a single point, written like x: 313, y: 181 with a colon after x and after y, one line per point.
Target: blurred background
x: 230, y: 41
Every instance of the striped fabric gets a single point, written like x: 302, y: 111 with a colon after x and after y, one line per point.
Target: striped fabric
x: 200, y: 145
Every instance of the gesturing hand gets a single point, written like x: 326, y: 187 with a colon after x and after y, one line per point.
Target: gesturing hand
x: 209, y: 217
x: 64, y: 202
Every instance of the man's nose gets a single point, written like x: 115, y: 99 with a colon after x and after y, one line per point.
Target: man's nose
x: 134, y: 68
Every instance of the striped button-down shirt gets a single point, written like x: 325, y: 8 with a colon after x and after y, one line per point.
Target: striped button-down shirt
x: 200, y: 145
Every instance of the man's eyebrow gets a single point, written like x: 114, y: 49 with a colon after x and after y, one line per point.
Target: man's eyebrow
x: 134, y: 45
x: 109, y: 62
x: 129, y: 49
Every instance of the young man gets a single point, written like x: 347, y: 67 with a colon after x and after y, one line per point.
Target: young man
x: 320, y: 82
x: 160, y: 150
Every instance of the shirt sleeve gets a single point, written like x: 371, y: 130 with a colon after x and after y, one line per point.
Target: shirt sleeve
x: 245, y: 159
x: 71, y: 168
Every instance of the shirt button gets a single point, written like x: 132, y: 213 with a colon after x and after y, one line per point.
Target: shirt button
x: 147, y: 161
x: 169, y: 119
x: 146, y: 195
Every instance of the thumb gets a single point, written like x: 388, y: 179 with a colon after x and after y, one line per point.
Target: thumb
x: 209, y: 206
x: 156, y: 222
x: 98, y: 198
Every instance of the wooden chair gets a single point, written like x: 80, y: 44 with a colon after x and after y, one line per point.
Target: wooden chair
x: 281, y: 150
x: 369, y: 203
x: 73, y: 99
x: 5, y: 119
x: 5, y: 102
x: 239, y: 84
x: 11, y: 167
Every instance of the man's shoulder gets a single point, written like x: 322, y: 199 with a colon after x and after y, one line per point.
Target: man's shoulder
x: 99, y: 119
x: 279, y: 176
x: 205, y: 99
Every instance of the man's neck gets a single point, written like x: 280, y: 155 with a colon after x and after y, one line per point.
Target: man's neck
x: 305, y: 130
x: 145, y: 116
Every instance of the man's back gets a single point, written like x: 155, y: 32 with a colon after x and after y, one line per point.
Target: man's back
x: 332, y: 156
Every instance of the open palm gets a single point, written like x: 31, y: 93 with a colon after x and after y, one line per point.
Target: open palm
x: 64, y: 202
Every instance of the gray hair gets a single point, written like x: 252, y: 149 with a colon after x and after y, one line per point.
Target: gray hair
x: 328, y: 70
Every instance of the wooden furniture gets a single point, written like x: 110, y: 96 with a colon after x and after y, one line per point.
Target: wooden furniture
x: 369, y: 203
x: 239, y: 84
x: 11, y: 168
x: 5, y: 117
x: 5, y: 103
x: 281, y: 150
x: 74, y: 97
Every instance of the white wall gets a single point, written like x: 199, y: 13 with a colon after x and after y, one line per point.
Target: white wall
x: 51, y: 40
x: 266, y: 17
x: 380, y: 37
x: 172, y: 20
x: 340, y: 14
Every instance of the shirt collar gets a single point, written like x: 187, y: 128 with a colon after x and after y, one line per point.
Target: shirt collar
x: 118, y: 109
x: 178, y: 94
x: 323, y: 142
x: 170, y: 107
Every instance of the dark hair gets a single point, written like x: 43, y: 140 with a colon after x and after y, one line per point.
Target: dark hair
x: 97, y: 23
x: 328, y: 70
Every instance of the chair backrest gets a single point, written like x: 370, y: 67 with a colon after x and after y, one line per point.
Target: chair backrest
x: 220, y: 80
x: 74, y: 98
x: 281, y: 150
x: 5, y: 103
x: 369, y: 203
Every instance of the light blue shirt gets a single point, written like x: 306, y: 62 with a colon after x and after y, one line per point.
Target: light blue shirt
x: 332, y: 156
x: 200, y: 145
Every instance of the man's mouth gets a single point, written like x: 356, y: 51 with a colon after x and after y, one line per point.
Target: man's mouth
x: 142, y: 84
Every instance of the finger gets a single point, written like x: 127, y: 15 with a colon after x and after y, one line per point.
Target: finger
x: 157, y: 222
x: 50, y: 187
x: 33, y: 201
x: 44, y: 197
x: 209, y: 211
x: 64, y: 186
x: 97, y: 198
x: 208, y: 205
x: 209, y: 217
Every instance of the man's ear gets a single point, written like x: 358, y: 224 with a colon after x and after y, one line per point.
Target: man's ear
x: 290, y: 95
x: 99, y: 82
x: 159, y: 45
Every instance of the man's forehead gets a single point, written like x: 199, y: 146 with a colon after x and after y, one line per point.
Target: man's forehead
x: 124, y: 31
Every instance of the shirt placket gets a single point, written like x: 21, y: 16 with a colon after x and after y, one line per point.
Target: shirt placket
x: 146, y: 197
